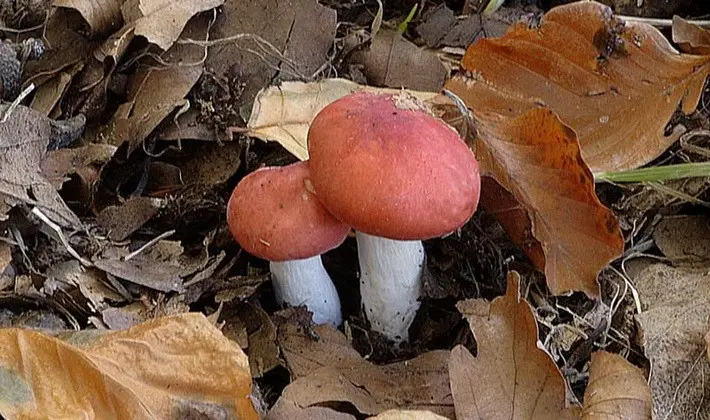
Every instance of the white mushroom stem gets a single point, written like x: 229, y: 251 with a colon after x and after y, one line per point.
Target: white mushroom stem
x: 390, y: 283
x: 305, y: 282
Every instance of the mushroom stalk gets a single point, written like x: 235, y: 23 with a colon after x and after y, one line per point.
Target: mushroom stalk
x: 305, y: 282
x: 390, y: 283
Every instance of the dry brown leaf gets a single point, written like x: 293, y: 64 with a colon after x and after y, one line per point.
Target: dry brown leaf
x: 159, y: 267
x: 156, y: 92
x: 90, y: 282
x: 407, y: 415
x: 284, y: 113
x: 24, y: 139
x: 617, y: 85
x: 691, y: 39
x: 289, y: 410
x: 173, y: 367
x: 616, y: 390
x: 684, y: 239
x: 672, y: 331
x: 162, y: 21
x: 565, y: 230
x: 61, y: 163
x: 103, y: 16
x: 122, y: 220
x: 512, y: 377
x: 329, y: 370
x: 296, y: 30
x: 393, y: 61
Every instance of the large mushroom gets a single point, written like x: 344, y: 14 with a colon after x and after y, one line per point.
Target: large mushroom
x: 274, y: 214
x: 386, y: 166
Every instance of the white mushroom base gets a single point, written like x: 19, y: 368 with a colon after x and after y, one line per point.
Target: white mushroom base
x: 390, y: 283
x: 305, y: 282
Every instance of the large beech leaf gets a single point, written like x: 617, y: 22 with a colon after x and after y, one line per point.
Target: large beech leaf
x: 553, y: 213
x: 616, y: 84
x: 511, y: 378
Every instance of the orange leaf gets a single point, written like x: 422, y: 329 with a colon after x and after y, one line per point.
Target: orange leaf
x: 616, y: 390
x: 617, y: 85
x: 554, y: 213
x: 175, y: 367
x: 511, y: 378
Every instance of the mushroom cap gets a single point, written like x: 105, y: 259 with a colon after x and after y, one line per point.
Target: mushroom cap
x: 274, y: 214
x: 387, y: 167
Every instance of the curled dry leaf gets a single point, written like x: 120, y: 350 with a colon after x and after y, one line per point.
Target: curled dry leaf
x: 172, y: 367
x: 284, y: 113
x: 24, y: 139
x: 691, y: 38
x: 616, y: 84
x: 162, y: 21
x: 565, y: 230
x: 103, y: 16
x: 672, y: 330
x: 511, y: 378
x: 616, y: 390
x: 328, y: 369
x: 408, y: 415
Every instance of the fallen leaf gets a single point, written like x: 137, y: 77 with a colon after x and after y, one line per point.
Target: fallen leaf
x: 511, y: 377
x: 162, y: 21
x: 615, y: 84
x: 59, y: 164
x: 616, y: 390
x: 672, y: 332
x: 684, y: 239
x: 262, y: 349
x: 158, y: 268
x: 284, y: 113
x: 178, y: 366
x: 157, y: 91
x: 393, y: 61
x: 103, y: 16
x: 124, y: 219
x: 565, y: 230
x: 408, y: 415
x: 90, y: 282
x: 328, y: 369
x: 283, y: 30
x: 289, y: 410
x: 124, y: 317
x: 7, y: 271
x: 207, y: 163
x: 691, y: 39
x: 24, y: 139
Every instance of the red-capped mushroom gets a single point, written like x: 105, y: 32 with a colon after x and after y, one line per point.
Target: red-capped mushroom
x: 274, y: 214
x: 385, y: 166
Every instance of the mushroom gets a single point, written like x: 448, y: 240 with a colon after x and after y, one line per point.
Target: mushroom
x: 386, y: 166
x: 273, y: 214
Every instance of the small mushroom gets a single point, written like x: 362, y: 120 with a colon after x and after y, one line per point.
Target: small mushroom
x: 385, y: 166
x: 274, y: 214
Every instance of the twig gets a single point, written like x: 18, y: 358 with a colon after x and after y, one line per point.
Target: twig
x: 17, y: 101
x: 58, y: 230
x: 149, y: 244
x: 661, y: 23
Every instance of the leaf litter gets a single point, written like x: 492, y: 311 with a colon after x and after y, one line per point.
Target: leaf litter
x: 168, y: 135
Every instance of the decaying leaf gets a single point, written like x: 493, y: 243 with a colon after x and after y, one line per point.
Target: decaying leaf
x: 90, y: 282
x: 615, y: 84
x: 284, y: 113
x: 408, y: 415
x: 327, y: 369
x: 393, y: 61
x: 289, y: 410
x: 672, y: 331
x: 103, y: 16
x: 565, y: 230
x: 59, y: 164
x: 616, y: 390
x: 173, y: 367
x: 685, y: 240
x: 289, y: 39
x: 162, y: 21
x: 24, y: 138
x: 691, y: 39
x: 122, y: 220
x: 157, y: 91
x: 511, y: 377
